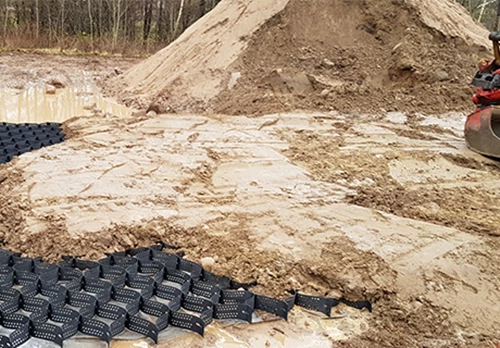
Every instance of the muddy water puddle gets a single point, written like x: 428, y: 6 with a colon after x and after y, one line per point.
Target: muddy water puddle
x: 34, y: 105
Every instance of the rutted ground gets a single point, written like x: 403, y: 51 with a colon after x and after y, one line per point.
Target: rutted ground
x: 419, y: 172
x: 285, y: 200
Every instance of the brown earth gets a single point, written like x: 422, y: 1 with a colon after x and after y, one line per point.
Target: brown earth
x: 19, y: 70
x: 371, y: 58
x: 341, y: 55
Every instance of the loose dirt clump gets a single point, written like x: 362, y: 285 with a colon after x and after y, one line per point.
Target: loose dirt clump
x: 468, y: 209
x: 322, y: 157
x: 411, y: 133
x: 362, y: 267
x: 472, y: 163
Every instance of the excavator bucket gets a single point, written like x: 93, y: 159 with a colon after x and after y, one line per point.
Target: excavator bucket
x: 482, y: 131
x: 482, y: 128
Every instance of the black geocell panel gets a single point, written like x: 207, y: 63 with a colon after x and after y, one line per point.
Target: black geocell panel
x: 102, y: 299
x: 18, y: 138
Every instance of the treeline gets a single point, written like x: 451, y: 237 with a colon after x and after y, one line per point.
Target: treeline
x: 484, y: 11
x: 115, y: 26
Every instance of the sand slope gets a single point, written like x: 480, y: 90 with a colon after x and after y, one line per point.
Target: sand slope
x: 195, y: 64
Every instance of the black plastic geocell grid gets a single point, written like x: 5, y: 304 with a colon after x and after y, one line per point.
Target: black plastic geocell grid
x: 102, y: 299
x: 18, y: 138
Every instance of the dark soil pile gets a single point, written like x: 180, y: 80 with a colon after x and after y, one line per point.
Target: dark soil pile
x: 351, y: 56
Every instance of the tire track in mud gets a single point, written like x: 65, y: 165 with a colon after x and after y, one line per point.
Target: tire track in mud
x: 468, y: 209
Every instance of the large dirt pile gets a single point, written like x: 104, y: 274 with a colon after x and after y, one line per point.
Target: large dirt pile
x: 264, y: 56
x: 194, y: 66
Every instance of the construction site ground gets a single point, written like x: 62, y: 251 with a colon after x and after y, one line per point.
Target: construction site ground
x: 388, y: 207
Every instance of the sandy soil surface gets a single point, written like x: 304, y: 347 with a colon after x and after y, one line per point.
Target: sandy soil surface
x: 22, y: 70
x: 392, y: 209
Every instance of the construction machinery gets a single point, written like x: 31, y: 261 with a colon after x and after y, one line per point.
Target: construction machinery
x: 482, y: 128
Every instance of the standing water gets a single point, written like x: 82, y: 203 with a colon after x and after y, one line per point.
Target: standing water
x: 32, y: 104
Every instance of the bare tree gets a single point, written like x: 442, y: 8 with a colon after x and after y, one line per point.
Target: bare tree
x: 6, y: 21
x: 179, y: 17
x: 123, y: 25
x: 498, y: 17
x: 148, y: 18
x: 37, y: 14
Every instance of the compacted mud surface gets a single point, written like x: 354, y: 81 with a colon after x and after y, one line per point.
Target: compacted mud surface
x: 392, y: 180
x: 388, y: 208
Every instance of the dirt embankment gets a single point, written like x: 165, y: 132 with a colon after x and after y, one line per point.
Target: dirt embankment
x: 330, y: 55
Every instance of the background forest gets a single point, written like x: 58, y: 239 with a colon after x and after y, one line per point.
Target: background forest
x: 484, y: 11
x: 116, y: 26
x: 126, y: 26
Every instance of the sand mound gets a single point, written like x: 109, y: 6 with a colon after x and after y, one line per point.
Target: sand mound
x: 263, y: 56
x: 451, y: 19
x: 194, y: 66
